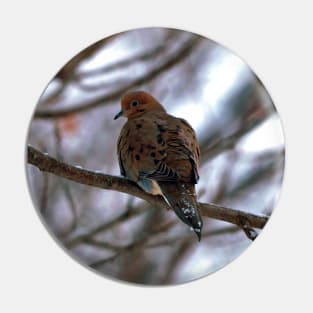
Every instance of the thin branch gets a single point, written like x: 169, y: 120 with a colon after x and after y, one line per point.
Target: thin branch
x: 66, y: 188
x: 69, y: 70
x: 48, y: 164
x: 130, y: 60
x: 214, y: 147
x: 190, y: 237
x: 88, y: 239
x: 66, y: 74
x: 267, y: 168
x: 44, y: 197
x: 103, y: 227
x: 181, y: 54
x: 186, y: 240
x: 135, y: 245
x: 102, y: 244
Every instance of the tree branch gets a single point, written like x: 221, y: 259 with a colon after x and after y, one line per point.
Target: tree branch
x: 45, y: 163
x: 180, y: 55
x: 139, y: 57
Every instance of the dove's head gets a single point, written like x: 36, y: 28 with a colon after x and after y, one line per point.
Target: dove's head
x: 137, y: 103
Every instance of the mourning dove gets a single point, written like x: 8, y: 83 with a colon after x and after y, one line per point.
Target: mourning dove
x: 160, y: 153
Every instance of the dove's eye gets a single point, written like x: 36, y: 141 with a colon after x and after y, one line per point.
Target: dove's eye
x: 134, y: 103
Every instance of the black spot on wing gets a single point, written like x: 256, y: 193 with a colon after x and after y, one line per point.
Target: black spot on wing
x: 161, y: 128
x: 195, y: 174
x: 198, y: 152
x: 160, y: 139
x: 120, y: 162
x: 151, y: 147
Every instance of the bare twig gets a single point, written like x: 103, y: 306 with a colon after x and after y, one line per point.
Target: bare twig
x: 214, y: 147
x: 185, y: 241
x: 48, y: 164
x: 139, y: 57
x: 134, y: 246
x: 180, y: 55
x: 190, y: 237
x: 66, y: 188
x: 103, y: 227
x: 245, y: 225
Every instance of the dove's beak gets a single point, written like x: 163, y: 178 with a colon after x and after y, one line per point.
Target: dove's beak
x: 119, y: 114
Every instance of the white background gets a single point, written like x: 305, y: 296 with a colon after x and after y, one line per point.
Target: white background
x: 274, y: 38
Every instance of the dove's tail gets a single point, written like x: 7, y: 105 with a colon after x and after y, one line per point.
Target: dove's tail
x: 182, y: 198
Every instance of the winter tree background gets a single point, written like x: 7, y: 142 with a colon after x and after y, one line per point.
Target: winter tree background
x: 239, y: 132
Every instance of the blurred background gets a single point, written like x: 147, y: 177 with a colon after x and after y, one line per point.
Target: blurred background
x: 239, y: 132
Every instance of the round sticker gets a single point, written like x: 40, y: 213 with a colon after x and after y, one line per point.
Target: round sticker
x: 155, y: 156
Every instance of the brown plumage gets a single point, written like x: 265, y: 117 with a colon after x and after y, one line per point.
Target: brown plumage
x: 161, y: 154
